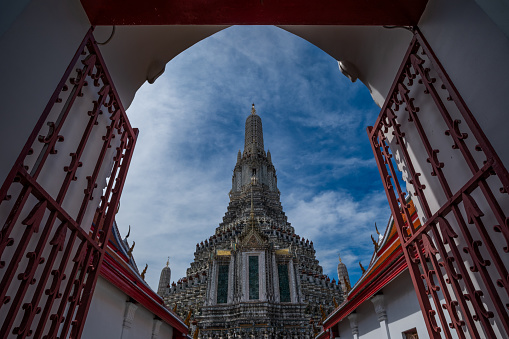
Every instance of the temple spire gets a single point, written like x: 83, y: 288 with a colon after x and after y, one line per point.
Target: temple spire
x: 253, y: 141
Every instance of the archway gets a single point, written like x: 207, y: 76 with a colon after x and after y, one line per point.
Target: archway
x: 314, y: 126
x: 436, y: 16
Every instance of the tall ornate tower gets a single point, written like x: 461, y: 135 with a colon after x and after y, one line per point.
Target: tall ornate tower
x: 165, y: 279
x: 343, y: 278
x: 255, y: 276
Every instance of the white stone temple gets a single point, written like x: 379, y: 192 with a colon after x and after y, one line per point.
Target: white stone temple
x: 254, y: 276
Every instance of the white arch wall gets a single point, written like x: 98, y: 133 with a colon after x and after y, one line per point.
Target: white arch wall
x: 41, y: 39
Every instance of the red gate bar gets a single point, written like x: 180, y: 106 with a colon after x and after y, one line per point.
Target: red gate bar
x: 439, y: 271
x: 49, y: 258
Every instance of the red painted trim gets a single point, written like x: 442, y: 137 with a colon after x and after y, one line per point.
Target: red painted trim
x: 390, y: 272
x: 267, y: 12
x: 127, y: 283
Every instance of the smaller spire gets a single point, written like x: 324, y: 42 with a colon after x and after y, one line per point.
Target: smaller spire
x: 341, y: 261
x: 239, y: 157
x: 253, y: 110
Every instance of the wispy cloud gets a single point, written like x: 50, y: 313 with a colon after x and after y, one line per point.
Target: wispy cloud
x: 337, y: 222
x: 191, y: 125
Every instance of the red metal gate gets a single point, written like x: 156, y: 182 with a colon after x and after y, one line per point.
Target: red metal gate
x: 458, y: 258
x: 73, y: 167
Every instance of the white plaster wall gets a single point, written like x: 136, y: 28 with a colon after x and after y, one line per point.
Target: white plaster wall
x: 474, y: 51
x: 498, y: 11
x: 106, y: 313
x: 106, y: 316
x: 402, y: 306
x: 402, y: 309
x: 165, y: 331
x: 369, y: 327
x: 345, y: 331
x: 36, y: 49
x: 142, y: 324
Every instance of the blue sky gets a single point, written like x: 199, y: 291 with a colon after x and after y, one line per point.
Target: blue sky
x: 191, y: 125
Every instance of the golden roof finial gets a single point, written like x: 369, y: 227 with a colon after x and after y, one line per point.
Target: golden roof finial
x: 130, y: 251
x: 324, y: 316
x: 253, y: 110
x: 335, y: 302
x: 376, y: 228
x: 374, y: 243
x: 168, y: 262
x: 347, y: 285
x: 196, y: 332
x: 340, y: 258
x: 188, y: 318
x: 316, y: 330
x: 144, y: 271
x: 362, y: 268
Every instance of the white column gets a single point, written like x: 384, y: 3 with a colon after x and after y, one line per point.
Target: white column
x: 231, y: 276
x: 213, y: 284
x: 262, y: 277
x: 379, y: 304
x: 293, y: 287
x: 130, y: 309
x: 354, y: 325
x: 275, y: 276
x: 155, y: 328
x: 245, y: 280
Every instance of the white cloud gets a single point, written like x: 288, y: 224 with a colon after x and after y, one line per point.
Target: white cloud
x: 337, y: 222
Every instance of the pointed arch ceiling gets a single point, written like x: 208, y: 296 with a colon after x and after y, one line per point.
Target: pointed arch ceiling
x: 254, y: 12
